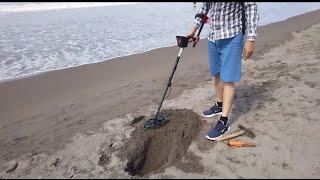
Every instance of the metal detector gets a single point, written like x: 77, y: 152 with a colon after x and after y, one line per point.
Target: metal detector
x: 182, y: 41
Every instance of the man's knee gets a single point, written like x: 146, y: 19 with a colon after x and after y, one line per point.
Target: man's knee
x: 229, y: 84
x: 217, y: 77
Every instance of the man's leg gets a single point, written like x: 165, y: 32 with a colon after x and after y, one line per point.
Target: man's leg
x: 217, y: 107
x: 222, y: 126
x: 214, y: 62
x: 230, y: 53
x: 218, y: 87
x: 228, y: 93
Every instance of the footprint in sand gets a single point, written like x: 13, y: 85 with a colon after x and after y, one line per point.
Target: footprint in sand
x: 316, y: 171
x: 291, y: 114
x: 82, y: 121
x: 104, y: 159
x: 67, y: 118
x: 20, y: 138
x: 310, y: 84
x: 295, y: 77
x: 285, y: 165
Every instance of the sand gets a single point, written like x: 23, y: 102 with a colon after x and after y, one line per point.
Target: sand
x: 73, y: 123
x: 151, y: 150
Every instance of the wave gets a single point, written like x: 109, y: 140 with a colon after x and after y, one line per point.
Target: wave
x: 43, y: 6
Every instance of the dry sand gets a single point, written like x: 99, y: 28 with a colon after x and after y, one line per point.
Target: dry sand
x: 75, y: 123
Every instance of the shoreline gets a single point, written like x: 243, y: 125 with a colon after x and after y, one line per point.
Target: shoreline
x: 41, y: 112
x: 58, y: 8
x: 114, y: 58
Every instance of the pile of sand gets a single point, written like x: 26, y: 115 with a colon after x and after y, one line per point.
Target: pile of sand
x: 152, y: 150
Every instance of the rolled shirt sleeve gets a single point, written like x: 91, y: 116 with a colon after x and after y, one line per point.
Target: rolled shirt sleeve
x: 202, y: 10
x: 252, y: 18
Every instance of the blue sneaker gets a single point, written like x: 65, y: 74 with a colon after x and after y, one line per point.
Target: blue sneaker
x: 215, y: 109
x: 219, y: 130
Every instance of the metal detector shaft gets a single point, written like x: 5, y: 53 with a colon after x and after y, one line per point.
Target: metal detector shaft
x: 169, y: 82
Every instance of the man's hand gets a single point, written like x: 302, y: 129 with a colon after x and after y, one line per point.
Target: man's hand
x: 192, y: 34
x: 191, y: 38
x: 248, y: 49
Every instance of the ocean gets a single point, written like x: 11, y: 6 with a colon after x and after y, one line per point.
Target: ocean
x: 40, y: 37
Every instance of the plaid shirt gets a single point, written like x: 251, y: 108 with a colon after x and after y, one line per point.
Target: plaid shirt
x: 225, y: 19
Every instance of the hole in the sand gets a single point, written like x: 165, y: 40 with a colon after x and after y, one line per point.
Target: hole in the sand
x: 104, y: 159
x: 152, y: 150
x: 56, y: 162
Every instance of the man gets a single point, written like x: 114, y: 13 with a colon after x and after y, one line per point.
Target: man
x: 226, y: 46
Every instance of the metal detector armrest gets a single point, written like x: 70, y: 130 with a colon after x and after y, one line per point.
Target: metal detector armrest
x: 182, y: 41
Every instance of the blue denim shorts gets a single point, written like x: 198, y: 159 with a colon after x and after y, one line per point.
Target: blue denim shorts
x: 225, y: 57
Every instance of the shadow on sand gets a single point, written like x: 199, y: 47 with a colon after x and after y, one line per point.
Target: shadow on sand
x: 250, y: 96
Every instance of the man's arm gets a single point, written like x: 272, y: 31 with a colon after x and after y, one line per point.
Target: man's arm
x: 203, y: 9
x: 252, y: 18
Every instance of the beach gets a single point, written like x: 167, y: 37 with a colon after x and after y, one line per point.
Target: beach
x: 75, y: 114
